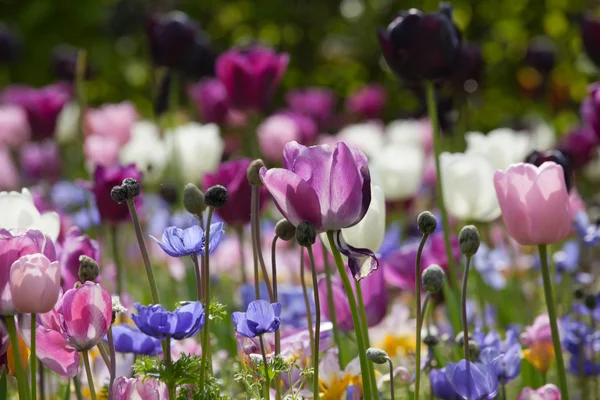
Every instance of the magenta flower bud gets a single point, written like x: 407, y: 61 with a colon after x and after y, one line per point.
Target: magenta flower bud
x: 328, y: 188
x: 232, y: 175
x: 210, y: 98
x: 105, y: 178
x: 40, y: 160
x: 316, y: 103
x: 368, y: 102
x: 590, y: 35
x: 251, y: 76
x: 87, y: 313
x: 579, y: 145
x: 74, y: 246
x: 139, y: 388
x: 34, y: 283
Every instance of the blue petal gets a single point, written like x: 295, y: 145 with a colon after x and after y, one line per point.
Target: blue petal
x: 241, y: 324
x: 362, y: 262
x: 127, y: 339
x: 192, y: 239
x: 472, y: 381
x: 216, y: 235
x: 261, y: 313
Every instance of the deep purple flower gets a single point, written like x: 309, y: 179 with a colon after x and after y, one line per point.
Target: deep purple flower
x: 171, y: 37
x: 590, y: 108
x: 40, y: 160
x: 185, y: 242
x: 420, y: 46
x: 441, y: 386
x: 210, y: 98
x: 251, y: 76
x: 473, y: 381
x: 260, y: 317
x: 186, y: 321
x: 42, y: 105
x: 128, y: 339
x: 368, y: 101
x: 468, y: 67
x: 316, y: 103
x: 74, y: 246
x: 541, y: 54
x: 64, y: 64
x: 590, y: 35
x: 537, y: 158
x: 580, y: 145
x: 10, y: 44
x: 105, y: 178
x: 232, y: 175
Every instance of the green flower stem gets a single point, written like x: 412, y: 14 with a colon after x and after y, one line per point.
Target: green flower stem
x: 306, y: 301
x: 198, y: 276
x: 365, y: 328
x: 33, y: 359
x: 113, y: 362
x: 560, y: 364
x: 264, y: 356
x: 257, y: 242
x: 465, y: 323
x: 423, y: 312
x: 362, y: 349
x: 206, y: 273
x: 170, y: 387
x: 277, y: 333
x: 419, y: 321
x: 330, y: 303
x: 14, y: 340
x: 315, y: 351
x: 391, y: 378
x: 117, y: 259
x: 240, y: 234
x: 88, y: 372
x: 254, y: 199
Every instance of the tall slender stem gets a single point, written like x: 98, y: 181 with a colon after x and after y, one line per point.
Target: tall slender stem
x: 365, y: 329
x: 117, y: 259
x: 560, y: 364
x: 419, y: 322
x: 88, y: 372
x: 14, y: 340
x: 206, y: 273
x: 104, y: 354
x: 198, y: 276
x: 240, y: 234
x: 315, y: 352
x: 257, y: 242
x: 424, y: 311
x: 362, y: 350
x: 306, y: 300
x: 437, y: 147
x: 33, y: 358
x: 77, y: 384
x: 391, y: 378
x: 275, y: 295
x: 254, y: 199
x: 331, y: 305
x: 113, y: 362
x: 42, y: 380
x: 463, y: 308
x: 593, y: 351
x: 170, y: 387
x: 266, y: 363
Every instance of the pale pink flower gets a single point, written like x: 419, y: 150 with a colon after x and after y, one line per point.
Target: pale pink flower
x: 546, y: 392
x: 112, y: 120
x: 14, y: 127
x: 34, y: 283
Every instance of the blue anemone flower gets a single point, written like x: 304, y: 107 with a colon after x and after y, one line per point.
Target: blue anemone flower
x: 473, y: 381
x: 128, y: 339
x: 441, y: 386
x: 185, y: 242
x: 260, y: 317
x: 186, y: 321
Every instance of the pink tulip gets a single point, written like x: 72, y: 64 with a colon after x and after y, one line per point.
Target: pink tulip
x: 546, y: 392
x: 534, y: 202
x: 539, y: 331
x: 14, y: 127
x: 9, y: 177
x: 112, y: 120
x: 274, y: 133
x: 87, y: 313
x: 34, y: 283
x: 139, y: 388
x: 101, y: 150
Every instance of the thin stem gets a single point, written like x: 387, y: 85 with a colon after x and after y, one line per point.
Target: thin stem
x: 206, y: 273
x: 117, y: 259
x: 140, y: 238
x: 392, y: 378
x: 42, y: 380
x: 264, y: 356
x: 33, y: 358
x: 560, y: 364
x: 595, y: 369
x: 104, y: 354
x: 113, y: 362
x: 14, y: 340
x: 362, y: 350
x: 306, y: 301
x: 275, y: 295
x: 254, y: 199
x: 331, y: 305
x: 198, y: 276
x: 365, y: 329
x: 240, y: 234
x: 170, y: 387
x: 77, y: 384
x: 503, y: 389
x: 88, y: 372
x: 423, y: 311
x: 464, y: 310
x: 437, y: 146
x: 419, y: 322
x: 256, y: 232
x: 317, y: 323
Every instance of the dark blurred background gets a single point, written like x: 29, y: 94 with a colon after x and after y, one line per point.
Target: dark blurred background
x: 532, y: 51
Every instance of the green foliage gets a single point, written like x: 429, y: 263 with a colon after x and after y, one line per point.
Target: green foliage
x: 184, y: 371
x: 217, y: 311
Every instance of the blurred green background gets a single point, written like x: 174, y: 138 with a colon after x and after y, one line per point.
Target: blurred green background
x: 332, y: 43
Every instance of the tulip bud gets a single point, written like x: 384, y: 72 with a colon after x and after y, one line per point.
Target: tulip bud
x: 88, y: 269
x: 426, y: 223
x: 305, y: 234
x: 132, y: 187
x: 118, y: 194
x: 285, y: 230
x: 193, y: 199
x: 34, y: 283
x: 376, y: 355
x: 215, y: 196
x: 469, y: 240
x: 590, y: 302
x: 433, y: 278
x: 253, y: 172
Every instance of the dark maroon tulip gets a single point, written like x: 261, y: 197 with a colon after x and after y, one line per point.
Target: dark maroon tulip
x: 537, y: 158
x: 210, y: 98
x: 316, y: 103
x: 590, y: 108
x: 172, y: 36
x: 590, y: 35
x: 64, y: 64
x: 40, y: 160
x: 232, y: 175
x: 541, y: 54
x: 368, y: 101
x: 200, y: 60
x: 420, y: 46
x: 10, y: 44
x: 251, y: 76
x: 74, y: 246
x: 469, y: 67
x: 105, y: 178
x: 42, y: 106
x: 579, y: 146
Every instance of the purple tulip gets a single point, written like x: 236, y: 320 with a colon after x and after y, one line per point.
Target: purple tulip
x: 64, y: 64
x: 42, y: 105
x: 40, y: 160
x: 541, y: 54
x: 580, y: 145
x: 12, y: 247
x: 171, y: 37
x: 251, y: 76
x: 473, y: 381
x: 590, y: 35
x: 590, y: 108
x: 260, y: 317
x: 368, y: 102
x: 105, y: 178
x: 316, y: 103
x: 537, y: 158
x: 74, y: 246
x: 469, y: 66
x: 210, y: 98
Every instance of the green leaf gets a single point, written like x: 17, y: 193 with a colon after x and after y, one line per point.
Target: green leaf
x: 3, y: 385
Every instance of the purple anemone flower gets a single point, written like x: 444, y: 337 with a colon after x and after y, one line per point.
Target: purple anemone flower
x: 185, y: 242
x: 260, y: 317
x: 186, y: 321
x: 441, y: 386
x: 128, y: 339
x: 473, y: 381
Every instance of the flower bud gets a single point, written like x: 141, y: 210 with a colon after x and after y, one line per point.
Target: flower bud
x: 376, y: 355
x: 469, y: 240
x: 474, y: 349
x: 253, y: 172
x: 590, y: 301
x: 88, y: 269
x: 132, y: 187
x: 193, y: 199
x: 433, y: 278
x: 431, y: 340
x: 215, y: 196
x: 305, y: 234
x: 426, y: 223
x: 579, y: 293
x: 118, y: 194
x: 285, y: 230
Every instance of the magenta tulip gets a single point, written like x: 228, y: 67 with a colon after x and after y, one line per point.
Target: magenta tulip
x: 87, y: 313
x: 534, y: 202
x: 329, y: 188
x: 105, y: 178
x: 315, y: 102
x: 368, y: 102
x: 210, y: 98
x: 34, y: 283
x: 139, y: 388
x: 74, y: 246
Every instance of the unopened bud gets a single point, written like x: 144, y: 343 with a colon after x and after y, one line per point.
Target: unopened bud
x: 426, y: 223
x: 579, y: 293
x: 590, y: 302
x: 376, y: 355
x: 215, y: 196
x: 253, y: 172
x: 469, y: 240
x: 118, y: 194
x: 285, y: 230
x: 433, y: 278
x: 305, y: 234
x: 132, y: 187
x: 193, y: 199
x: 431, y: 340
x: 88, y: 269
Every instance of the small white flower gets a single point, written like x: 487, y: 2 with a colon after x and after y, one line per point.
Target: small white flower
x: 18, y: 212
x: 146, y: 150
x: 67, y: 123
x: 501, y: 147
x: 117, y: 307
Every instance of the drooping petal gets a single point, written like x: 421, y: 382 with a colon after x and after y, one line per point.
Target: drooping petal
x: 362, y: 262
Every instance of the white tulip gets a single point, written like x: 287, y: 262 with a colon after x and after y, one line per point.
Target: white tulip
x: 398, y: 169
x: 468, y: 187
x: 542, y: 136
x: 196, y: 148
x: 17, y: 212
x: 146, y: 150
x: 366, y: 136
x: 412, y: 132
x: 67, y: 123
x: 501, y: 147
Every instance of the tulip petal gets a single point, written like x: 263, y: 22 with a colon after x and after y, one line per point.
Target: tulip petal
x: 514, y: 215
x: 362, y: 262
x: 290, y: 152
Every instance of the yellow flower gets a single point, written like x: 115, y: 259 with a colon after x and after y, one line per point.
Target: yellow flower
x: 540, y: 355
x: 395, y: 345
